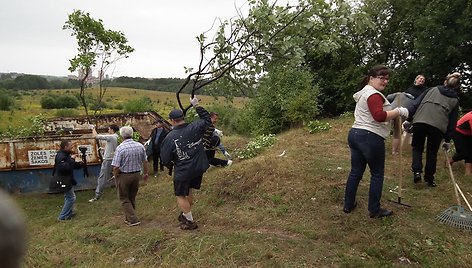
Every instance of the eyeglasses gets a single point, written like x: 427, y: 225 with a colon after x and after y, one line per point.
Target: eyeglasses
x: 383, y: 78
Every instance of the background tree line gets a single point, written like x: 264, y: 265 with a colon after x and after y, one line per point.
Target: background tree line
x: 337, y: 42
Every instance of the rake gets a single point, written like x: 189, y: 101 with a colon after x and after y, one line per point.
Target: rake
x: 455, y: 216
x: 400, y: 175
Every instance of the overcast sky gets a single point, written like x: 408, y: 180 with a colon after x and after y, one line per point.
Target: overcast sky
x: 162, y: 32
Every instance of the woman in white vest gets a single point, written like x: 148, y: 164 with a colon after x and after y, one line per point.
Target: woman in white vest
x: 366, y: 139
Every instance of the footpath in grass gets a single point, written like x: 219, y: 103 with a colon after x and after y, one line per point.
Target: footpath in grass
x: 273, y: 210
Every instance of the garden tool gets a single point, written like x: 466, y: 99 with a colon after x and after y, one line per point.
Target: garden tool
x: 400, y: 160
x: 455, y: 216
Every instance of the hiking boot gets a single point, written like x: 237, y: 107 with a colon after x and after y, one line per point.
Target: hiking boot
x: 188, y: 225
x: 431, y: 183
x: 381, y: 213
x: 349, y: 210
x: 416, y: 177
x: 181, y: 218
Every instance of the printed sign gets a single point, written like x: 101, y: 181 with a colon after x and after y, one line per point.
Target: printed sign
x: 40, y: 157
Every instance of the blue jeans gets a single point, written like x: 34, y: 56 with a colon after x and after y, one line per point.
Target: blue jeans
x: 69, y: 200
x: 367, y: 148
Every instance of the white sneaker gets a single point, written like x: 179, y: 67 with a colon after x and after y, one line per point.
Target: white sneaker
x: 93, y: 199
x: 230, y: 162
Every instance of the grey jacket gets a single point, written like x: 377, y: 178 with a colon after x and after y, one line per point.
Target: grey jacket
x: 437, y: 107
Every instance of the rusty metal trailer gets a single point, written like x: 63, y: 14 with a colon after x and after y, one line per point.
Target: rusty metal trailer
x: 26, y: 163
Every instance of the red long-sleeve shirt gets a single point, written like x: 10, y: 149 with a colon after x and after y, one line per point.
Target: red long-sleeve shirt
x: 375, y: 103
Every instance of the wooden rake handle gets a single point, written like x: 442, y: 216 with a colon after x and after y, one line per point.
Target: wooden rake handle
x: 452, y: 178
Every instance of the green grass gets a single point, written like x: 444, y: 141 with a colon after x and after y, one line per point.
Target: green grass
x: 268, y: 211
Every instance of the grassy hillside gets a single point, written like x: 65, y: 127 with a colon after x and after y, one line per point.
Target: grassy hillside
x: 29, y: 103
x: 268, y: 211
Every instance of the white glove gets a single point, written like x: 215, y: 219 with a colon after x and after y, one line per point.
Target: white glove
x: 227, y: 155
x: 218, y: 133
x: 194, y: 101
x: 446, y: 146
x: 403, y: 111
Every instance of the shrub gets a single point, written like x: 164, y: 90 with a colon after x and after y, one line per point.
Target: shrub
x: 139, y: 105
x: 256, y: 145
x: 119, y: 106
x: 6, y: 101
x: 58, y: 102
x: 66, y: 112
x: 316, y: 126
x: 48, y: 102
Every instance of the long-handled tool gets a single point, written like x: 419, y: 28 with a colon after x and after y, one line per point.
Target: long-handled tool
x: 455, y: 216
x: 400, y: 159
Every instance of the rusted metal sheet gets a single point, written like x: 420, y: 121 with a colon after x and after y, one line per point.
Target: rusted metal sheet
x: 142, y: 122
x: 26, y: 164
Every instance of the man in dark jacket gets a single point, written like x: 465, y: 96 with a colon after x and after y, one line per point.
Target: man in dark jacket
x: 157, y: 136
x: 64, y: 165
x: 183, y: 148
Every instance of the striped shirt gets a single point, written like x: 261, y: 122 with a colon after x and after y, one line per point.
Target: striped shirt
x: 129, y: 156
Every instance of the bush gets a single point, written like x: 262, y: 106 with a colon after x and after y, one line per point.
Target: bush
x: 286, y: 97
x: 140, y: 105
x: 66, y: 112
x: 59, y: 102
x: 316, y: 126
x: 256, y: 145
x: 6, y: 101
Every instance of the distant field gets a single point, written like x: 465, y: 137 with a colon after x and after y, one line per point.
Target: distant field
x: 28, y: 104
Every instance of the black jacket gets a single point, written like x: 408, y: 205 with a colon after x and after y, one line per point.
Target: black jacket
x: 64, y: 166
x: 416, y: 91
x: 183, y: 148
x: 157, y: 146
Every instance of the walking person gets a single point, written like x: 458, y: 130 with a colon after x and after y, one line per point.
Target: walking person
x: 129, y: 160
x: 105, y: 171
x: 157, y: 136
x: 64, y: 165
x: 367, y: 139
x: 183, y: 148
x: 434, y: 118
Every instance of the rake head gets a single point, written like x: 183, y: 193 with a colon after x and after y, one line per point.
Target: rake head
x: 457, y: 217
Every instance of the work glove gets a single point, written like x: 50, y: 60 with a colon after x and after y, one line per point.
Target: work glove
x: 407, y: 127
x: 403, y: 111
x: 218, y: 133
x: 194, y: 101
x: 446, y: 146
x: 227, y: 155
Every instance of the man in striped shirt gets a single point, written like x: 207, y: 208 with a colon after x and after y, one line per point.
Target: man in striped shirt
x: 130, y: 158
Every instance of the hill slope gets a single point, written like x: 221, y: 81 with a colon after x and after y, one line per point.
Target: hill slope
x: 267, y: 211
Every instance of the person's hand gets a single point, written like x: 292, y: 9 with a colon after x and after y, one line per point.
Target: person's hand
x: 227, y: 155
x: 218, y: 133
x: 403, y: 111
x: 407, y: 126
x: 446, y: 146
x: 194, y: 101
x: 145, y: 177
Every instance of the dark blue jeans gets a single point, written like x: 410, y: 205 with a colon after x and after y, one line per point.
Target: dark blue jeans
x: 367, y: 148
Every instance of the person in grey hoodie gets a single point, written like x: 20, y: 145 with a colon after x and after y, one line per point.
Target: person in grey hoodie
x: 366, y: 139
x: 435, y: 115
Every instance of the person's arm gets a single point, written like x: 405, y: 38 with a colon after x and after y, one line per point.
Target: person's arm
x: 451, y: 126
x: 375, y: 103
x: 145, y: 170
x: 166, y: 151
x: 116, y: 171
x: 94, y: 132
